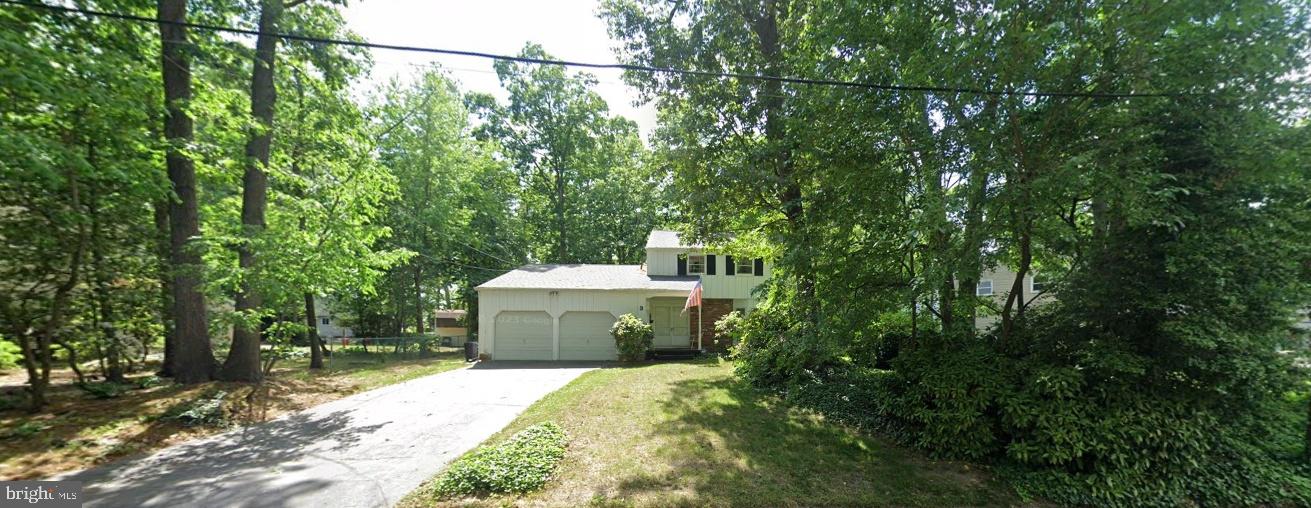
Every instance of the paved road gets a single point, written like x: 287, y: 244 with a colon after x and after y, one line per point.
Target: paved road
x: 366, y: 450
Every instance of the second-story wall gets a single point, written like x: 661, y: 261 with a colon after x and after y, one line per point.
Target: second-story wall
x: 664, y: 261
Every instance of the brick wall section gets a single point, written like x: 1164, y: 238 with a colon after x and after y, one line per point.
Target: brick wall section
x: 714, y: 308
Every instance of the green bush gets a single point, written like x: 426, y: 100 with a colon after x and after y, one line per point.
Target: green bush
x: 633, y: 337
x: 105, y: 390
x: 728, y: 330
x: 10, y: 354
x: 148, y: 382
x: 1066, y: 435
x: 774, y: 349
x: 522, y: 463
x: 205, y: 410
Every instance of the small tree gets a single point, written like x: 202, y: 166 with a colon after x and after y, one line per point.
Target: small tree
x: 632, y: 337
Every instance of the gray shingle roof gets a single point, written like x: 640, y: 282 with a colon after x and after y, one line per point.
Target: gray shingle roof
x: 662, y: 239
x: 586, y: 277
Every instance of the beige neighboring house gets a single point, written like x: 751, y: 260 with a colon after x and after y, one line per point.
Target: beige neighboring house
x: 564, y: 312
x: 329, y: 323
x: 449, y: 325
x: 996, y: 284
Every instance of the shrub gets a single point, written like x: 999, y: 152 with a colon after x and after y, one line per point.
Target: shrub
x: 633, y: 337
x: 10, y: 354
x: 522, y: 463
x: 205, y: 410
x: 148, y: 382
x: 105, y: 390
x: 774, y: 349
x: 728, y: 329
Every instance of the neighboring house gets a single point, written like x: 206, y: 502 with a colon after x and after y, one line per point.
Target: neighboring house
x: 564, y: 312
x: 997, y: 283
x: 329, y: 323
x: 449, y: 325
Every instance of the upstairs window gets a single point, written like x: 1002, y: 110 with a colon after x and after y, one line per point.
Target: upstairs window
x: 1037, y: 284
x: 325, y: 320
x: 984, y: 288
x: 743, y: 266
x: 696, y: 264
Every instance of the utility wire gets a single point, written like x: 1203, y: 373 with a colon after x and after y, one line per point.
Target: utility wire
x: 593, y: 65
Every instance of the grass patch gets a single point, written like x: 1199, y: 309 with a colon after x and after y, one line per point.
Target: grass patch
x: 522, y: 463
x: 79, y: 430
x: 690, y: 434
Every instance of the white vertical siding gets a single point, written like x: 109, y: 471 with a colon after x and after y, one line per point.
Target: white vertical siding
x: 662, y: 261
x: 493, y: 301
x: 665, y: 262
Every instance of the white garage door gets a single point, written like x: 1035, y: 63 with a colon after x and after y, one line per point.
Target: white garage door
x: 586, y: 336
x: 522, y: 335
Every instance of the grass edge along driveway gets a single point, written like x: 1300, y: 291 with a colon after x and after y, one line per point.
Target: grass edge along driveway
x: 690, y: 434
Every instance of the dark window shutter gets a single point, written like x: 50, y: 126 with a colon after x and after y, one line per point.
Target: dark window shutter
x: 760, y: 267
x: 729, y: 268
x: 682, y: 265
x: 710, y: 264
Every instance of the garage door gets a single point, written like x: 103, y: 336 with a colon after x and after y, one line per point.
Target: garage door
x: 523, y: 335
x: 586, y: 336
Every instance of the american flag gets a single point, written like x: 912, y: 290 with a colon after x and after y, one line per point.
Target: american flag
x: 694, y: 298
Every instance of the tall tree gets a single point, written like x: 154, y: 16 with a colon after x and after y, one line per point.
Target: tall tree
x: 560, y: 137
x: 243, y: 362
x: 194, y: 360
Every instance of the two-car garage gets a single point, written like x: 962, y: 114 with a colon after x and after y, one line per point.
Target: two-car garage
x: 564, y: 312
x: 527, y: 335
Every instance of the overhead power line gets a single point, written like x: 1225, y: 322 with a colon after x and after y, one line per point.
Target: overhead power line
x: 615, y: 66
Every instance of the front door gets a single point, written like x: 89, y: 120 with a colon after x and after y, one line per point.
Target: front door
x: 670, y: 324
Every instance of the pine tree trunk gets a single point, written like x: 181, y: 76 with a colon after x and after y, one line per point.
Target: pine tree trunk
x: 194, y: 358
x: 243, y: 362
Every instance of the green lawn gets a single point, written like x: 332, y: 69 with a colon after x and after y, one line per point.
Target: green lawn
x: 689, y: 434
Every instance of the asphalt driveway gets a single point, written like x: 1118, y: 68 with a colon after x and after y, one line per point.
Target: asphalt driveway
x: 366, y: 450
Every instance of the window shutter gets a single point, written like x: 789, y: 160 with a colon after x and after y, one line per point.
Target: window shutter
x: 729, y: 267
x: 710, y: 264
x: 760, y: 267
x: 682, y: 265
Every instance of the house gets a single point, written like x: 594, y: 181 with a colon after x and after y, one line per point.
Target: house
x: 996, y: 283
x: 330, y: 324
x: 564, y: 312
x: 449, y: 325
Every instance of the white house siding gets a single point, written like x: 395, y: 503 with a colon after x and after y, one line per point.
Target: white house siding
x: 661, y: 261
x: 493, y: 301
x: 333, y: 328
x: 1003, y: 279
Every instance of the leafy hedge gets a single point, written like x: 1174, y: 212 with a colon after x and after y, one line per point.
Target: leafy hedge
x: 1085, y: 434
x: 522, y: 463
x: 633, y: 337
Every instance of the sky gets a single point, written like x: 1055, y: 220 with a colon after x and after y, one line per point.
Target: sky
x: 567, y: 29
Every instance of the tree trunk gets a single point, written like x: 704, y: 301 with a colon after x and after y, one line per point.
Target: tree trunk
x: 312, y: 333
x: 165, y: 294
x: 113, y: 349
x: 243, y: 362
x: 562, y: 243
x: 194, y: 358
x: 418, y: 299
x: 38, y: 381
x: 780, y: 158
